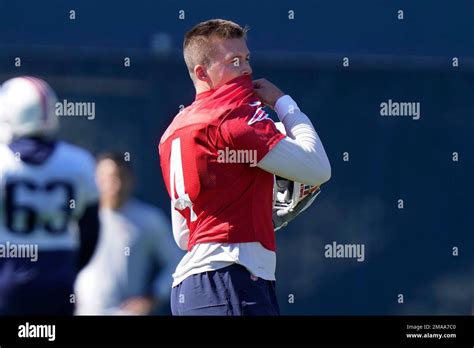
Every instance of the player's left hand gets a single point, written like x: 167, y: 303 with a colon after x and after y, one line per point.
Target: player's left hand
x: 282, y: 217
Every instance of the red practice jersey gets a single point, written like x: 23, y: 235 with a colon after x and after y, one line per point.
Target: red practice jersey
x: 208, y: 156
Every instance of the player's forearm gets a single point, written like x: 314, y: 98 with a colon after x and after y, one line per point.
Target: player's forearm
x: 301, y: 156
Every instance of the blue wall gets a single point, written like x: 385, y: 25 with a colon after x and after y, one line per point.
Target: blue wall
x: 341, y: 26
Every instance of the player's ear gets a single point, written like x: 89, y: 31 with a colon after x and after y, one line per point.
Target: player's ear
x: 200, y: 73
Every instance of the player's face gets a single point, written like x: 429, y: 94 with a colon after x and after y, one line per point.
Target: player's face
x: 230, y: 60
x: 112, y: 182
x: 108, y: 178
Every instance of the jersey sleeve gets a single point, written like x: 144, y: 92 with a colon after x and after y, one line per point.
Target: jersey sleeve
x: 249, y: 128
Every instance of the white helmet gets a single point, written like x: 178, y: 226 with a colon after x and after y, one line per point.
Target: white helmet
x: 27, y: 107
x: 288, y: 194
x: 290, y: 198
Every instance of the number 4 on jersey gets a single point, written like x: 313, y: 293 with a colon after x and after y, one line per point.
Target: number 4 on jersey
x: 177, y: 180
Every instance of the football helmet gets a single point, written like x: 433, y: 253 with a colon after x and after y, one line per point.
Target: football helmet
x: 27, y: 107
x: 290, y: 198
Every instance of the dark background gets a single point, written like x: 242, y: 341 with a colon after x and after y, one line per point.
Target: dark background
x: 408, y: 251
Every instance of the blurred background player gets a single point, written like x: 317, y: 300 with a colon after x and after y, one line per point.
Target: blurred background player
x: 48, y: 200
x: 130, y: 273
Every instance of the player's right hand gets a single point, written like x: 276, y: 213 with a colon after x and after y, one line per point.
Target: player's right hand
x: 139, y: 305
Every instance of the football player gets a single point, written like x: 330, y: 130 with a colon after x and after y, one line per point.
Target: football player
x: 222, y: 205
x: 48, y: 204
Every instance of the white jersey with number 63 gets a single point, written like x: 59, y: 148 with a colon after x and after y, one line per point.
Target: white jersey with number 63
x: 41, y: 204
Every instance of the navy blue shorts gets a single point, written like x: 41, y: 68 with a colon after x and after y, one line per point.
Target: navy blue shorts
x: 231, y: 290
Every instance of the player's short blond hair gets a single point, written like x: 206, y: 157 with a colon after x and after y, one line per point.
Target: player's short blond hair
x: 197, y: 46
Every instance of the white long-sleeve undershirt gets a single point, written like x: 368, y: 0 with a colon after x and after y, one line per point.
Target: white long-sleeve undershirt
x: 300, y: 156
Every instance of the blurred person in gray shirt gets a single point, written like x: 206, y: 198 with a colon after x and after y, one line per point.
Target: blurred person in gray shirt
x: 130, y: 272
